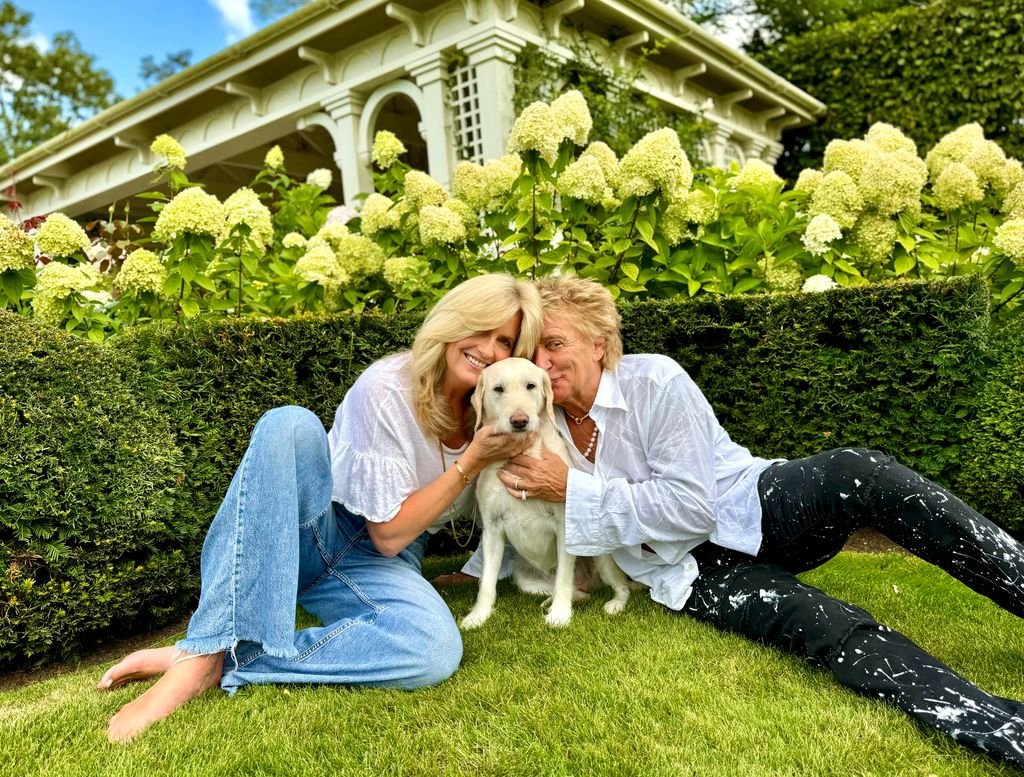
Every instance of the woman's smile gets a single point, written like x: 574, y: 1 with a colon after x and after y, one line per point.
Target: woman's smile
x: 480, y: 364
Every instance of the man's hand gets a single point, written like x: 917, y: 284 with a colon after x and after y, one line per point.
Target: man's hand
x: 544, y: 478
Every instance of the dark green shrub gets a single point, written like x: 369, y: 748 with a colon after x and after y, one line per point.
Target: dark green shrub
x: 891, y: 366
x: 992, y: 479
x: 214, y: 378
x: 926, y: 70
x: 88, y: 471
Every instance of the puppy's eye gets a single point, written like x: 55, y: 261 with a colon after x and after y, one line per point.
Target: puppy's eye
x: 499, y: 389
x: 531, y: 386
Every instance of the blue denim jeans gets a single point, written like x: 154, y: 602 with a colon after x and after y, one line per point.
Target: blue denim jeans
x: 278, y: 539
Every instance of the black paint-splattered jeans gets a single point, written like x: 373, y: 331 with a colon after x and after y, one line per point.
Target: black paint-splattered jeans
x: 810, y: 507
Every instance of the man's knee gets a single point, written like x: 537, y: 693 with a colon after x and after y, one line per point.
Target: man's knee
x: 855, y: 465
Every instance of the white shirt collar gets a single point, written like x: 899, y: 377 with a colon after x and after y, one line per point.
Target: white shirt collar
x: 609, y: 394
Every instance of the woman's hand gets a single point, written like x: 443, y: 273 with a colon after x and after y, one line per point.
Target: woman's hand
x: 489, y: 445
x: 544, y: 478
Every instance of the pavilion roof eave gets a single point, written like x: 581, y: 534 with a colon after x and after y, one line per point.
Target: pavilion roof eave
x: 745, y: 67
x: 167, y: 90
x: 270, y: 40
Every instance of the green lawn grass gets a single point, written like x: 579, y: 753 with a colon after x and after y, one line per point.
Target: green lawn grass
x: 645, y: 693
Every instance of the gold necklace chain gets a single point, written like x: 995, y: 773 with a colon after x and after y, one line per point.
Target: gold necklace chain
x: 451, y: 517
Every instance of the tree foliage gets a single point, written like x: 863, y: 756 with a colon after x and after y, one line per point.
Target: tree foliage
x: 44, y: 93
x: 274, y: 9
x: 153, y: 72
x: 771, y: 21
x: 925, y: 70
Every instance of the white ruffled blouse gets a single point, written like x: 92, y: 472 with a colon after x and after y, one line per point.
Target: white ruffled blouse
x: 379, y: 454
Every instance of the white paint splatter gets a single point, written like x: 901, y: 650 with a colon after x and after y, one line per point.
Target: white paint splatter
x: 952, y: 714
x: 738, y: 600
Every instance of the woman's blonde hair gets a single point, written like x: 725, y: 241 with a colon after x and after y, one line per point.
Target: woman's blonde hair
x: 480, y: 304
x: 589, y: 307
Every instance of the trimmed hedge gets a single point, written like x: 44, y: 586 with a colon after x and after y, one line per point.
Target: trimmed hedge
x: 926, y: 70
x: 892, y: 366
x: 214, y: 379
x: 90, y: 540
x: 992, y: 479
x: 134, y: 468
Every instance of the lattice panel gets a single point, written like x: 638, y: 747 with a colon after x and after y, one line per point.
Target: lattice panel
x: 466, y: 112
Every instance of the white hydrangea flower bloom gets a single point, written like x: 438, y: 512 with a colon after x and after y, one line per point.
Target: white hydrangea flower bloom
x: 822, y: 230
x: 818, y: 283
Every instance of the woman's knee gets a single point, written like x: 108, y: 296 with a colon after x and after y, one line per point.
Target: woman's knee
x: 443, y: 650
x: 291, y: 423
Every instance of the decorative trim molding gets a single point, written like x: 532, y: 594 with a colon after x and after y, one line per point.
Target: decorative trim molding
x: 763, y: 117
x: 327, y: 62
x: 411, y: 19
x: 135, y: 142
x: 684, y: 74
x: 257, y: 97
x: 623, y: 45
x: 727, y: 101
x: 58, y: 184
x: 783, y: 123
x: 472, y: 9
x: 508, y: 10
x: 555, y: 14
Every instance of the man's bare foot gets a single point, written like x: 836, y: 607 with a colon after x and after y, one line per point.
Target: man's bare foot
x: 140, y: 665
x: 181, y: 683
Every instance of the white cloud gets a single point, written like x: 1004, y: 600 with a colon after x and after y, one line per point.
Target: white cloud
x: 236, y: 18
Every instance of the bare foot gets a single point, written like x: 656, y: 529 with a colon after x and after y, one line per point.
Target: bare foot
x: 140, y: 665
x: 181, y: 683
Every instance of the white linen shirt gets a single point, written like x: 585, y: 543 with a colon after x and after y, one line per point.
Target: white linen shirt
x: 379, y: 454
x: 666, y: 476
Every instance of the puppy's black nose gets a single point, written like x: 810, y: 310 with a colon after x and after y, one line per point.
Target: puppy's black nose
x: 519, y: 422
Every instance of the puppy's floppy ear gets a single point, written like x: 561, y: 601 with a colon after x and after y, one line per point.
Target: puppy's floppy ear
x: 549, y: 396
x: 477, y: 401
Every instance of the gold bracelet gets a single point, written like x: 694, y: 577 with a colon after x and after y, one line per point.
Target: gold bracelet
x: 462, y: 473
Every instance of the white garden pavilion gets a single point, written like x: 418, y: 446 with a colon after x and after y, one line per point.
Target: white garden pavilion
x: 321, y: 81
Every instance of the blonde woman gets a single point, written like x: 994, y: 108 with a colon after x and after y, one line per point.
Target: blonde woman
x: 338, y: 522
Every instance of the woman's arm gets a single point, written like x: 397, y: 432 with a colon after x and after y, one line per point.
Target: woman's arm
x: 423, y: 507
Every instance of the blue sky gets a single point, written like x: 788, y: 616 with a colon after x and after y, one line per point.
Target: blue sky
x: 119, y: 33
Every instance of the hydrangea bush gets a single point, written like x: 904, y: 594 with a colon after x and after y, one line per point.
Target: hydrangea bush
x: 645, y: 225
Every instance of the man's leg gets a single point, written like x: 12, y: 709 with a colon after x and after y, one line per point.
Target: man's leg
x: 812, y: 505
x: 766, y: 603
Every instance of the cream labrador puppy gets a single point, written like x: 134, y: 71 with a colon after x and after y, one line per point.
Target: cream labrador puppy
x: 515, y: 395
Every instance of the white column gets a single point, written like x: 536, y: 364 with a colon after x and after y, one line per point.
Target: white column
x: 754, y: 148
x: 719, y: 137
x: 352, y: 159
x: 772, y: 153
x: 431, y: 76
x: 493, y: 60
x: 340, y: 118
